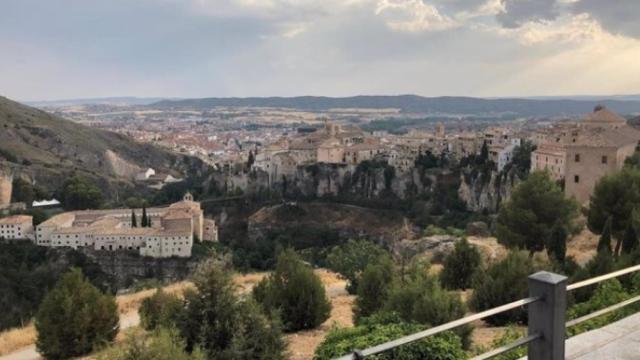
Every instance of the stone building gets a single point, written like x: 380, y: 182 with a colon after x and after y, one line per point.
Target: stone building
x: 172, y: 233
x: 550, y: 157
x: 17, y: 227
x: 6, y: 185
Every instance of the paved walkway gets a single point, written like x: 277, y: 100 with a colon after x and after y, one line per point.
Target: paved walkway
x: 617, y: 341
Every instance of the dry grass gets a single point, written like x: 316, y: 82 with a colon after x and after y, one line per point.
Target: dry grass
x: 131, y: 302
x: 14, y: 339
x: 583, y: 246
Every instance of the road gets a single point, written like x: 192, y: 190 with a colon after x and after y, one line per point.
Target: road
x: 128, y: 320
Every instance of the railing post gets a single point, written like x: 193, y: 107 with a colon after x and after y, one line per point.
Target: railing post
x: 547, y: 316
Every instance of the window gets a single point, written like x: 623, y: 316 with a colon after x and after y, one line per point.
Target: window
x: 604, y: 159
x: 577, y: 158
x: 576, y: 179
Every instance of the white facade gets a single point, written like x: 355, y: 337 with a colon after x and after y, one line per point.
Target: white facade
x: 18, y: 227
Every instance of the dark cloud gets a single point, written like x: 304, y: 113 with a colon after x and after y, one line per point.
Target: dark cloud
x: 618, y: 17
x: 518, y: 12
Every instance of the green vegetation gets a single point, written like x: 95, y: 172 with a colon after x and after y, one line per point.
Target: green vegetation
x: 79, y: 193
x: 339, y: 342
x: 373, y: 287
x: 295, y: 292
x: 350, y: 260
x: 460, y: 266
x: 160, y: 310
x: 74, y: 318
x: 526, y: 220
x: 163, y: 344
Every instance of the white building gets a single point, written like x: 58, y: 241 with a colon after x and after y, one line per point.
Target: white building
x: 17, y: 227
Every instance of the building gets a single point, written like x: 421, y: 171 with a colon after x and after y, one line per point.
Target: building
x: 17, y: 227
x: 504, y: 153
x: 550, y: 157
x: 173, y: 231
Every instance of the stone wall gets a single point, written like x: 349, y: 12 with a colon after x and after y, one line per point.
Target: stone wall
x: 6, y: 184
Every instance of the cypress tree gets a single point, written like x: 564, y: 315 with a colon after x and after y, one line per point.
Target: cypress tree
x: 557, y: 248
x: 134, y: 221
x: 630, y: 240
x: 145, y: 220
x: 604, y: 245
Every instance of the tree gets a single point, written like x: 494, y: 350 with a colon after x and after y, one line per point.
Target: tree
x: 373, y: 288
x: 604, y: 244
x: 484, y: 153
x: 160, y: 310
x: 225, y: 326
x: 80, y: 194
x: 350, y: 260
x: 134, y: 220
x: 535, y: 206
x: 163, y: 344
x: 340, y: 342
x: 295, y: 292
x: 460, y: 266
x: 145, y: 220
x: 22, y: 191
x: 74, y: 318
x: 615, y: 196
x: 502, y: 283
x: 630, y: 240
x: 557, y: 247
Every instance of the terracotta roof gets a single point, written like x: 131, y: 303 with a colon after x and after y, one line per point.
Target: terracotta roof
x: 607, y: 137
x: 603, y: 115
x: 59, y: 219
x: 177, y: 214
x: 16, y: 219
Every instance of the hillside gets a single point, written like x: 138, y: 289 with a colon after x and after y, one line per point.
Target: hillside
x: 48, y: 148
x: 417, y: 104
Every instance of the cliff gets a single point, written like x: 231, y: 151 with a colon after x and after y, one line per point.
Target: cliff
x: 483, y: 192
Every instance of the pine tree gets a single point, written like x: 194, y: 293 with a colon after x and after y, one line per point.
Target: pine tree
x: 74, y: 318
x: 557, y: 247
x: 134, y: 221
x: 460, y: 266
x: 604, y: 245
x: 630, y: 240
x: 145, y: 220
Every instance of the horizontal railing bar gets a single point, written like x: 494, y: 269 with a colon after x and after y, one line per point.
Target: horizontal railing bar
x: 603, y: 311
x: 601, y: 278
x: 441, y: 328
x: 506, y: 348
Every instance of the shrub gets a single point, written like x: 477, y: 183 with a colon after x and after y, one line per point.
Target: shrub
x: 295, y: 292
x: 339, y: 342
x: 350, y: 260
x: 74, y: 318
x: 164, y: 344
x: 512, y: 334
x: 373, y: 288
x: 502, y: 283
x: 160, y: 310
x: 460, y: 266
x: 224, y: 326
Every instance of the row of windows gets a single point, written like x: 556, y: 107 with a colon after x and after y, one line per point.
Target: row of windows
x: 603, y: 159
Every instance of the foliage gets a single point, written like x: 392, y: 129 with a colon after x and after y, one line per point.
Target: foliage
x: 604, y: 244
x: 163, y: 344
x: 350, y: 260
x: 74, y: 318
x: 134, y: 219
x: 460, y: 266
x: 160, y: 310
x: 521, y: 158
x: 339, y: 342
x: 630, y: 240
x: 557, y: 246
x: 80, y: 193
x: 535, y: 206
x: 615, y: 196
x: 22, y: 191
x: 295, y: 292
x: 28, y: 272
x: 225, y: 326
x: 512, y: 334
x: 502, y: 283
x: 373, y: 287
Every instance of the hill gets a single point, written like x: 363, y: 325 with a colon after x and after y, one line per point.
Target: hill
x: 417, y: 104
x: 47, y: 148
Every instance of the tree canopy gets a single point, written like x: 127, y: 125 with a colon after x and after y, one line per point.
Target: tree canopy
x: 79, y: 193
x: 615, y: 196
x: 350, y: 260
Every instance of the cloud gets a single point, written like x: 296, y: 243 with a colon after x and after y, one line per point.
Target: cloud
x: 413, y: 16
x: 617, y: 16
x: 519, y: 12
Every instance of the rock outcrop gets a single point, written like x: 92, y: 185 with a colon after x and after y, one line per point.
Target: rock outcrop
x: 484, y: 193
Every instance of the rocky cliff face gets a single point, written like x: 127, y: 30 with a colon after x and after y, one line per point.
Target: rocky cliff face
x: 484, y: 192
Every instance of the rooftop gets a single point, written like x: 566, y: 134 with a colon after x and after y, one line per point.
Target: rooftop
x: 16, y: 219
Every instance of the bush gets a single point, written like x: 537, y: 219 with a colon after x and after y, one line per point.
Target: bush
x: 74, y: 318
x: 341, y: 342
x: 160, y: 310
x: 512, y: 334
x: 164, y: 344
x: 502, y: 283
x: 295, y: 292
x: 225, y: 326
x: 350, y: 260
x: 373, y: 288
x: 460, y: 266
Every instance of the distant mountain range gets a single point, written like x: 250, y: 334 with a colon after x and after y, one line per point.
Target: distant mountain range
x: 425, y: 105
x: 123, y: 100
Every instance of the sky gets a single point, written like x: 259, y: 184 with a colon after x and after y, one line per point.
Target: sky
x: 62, y: 49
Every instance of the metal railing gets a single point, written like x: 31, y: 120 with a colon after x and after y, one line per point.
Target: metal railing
x: 546, y: 306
